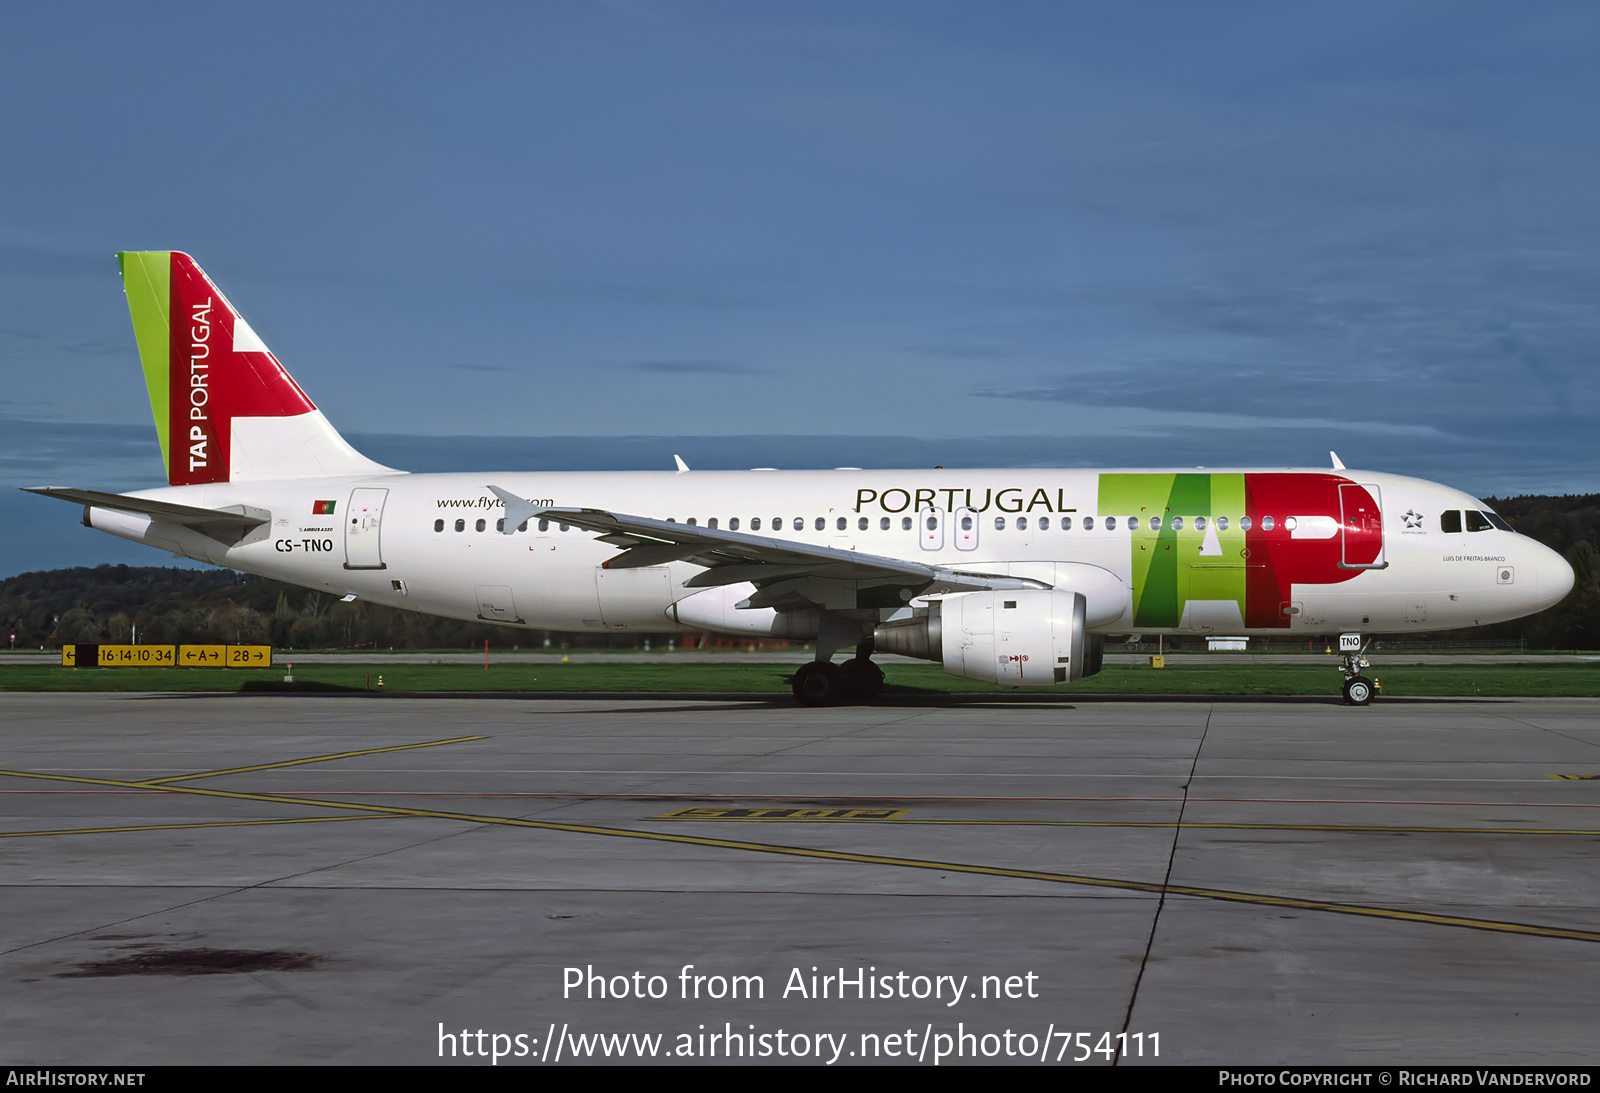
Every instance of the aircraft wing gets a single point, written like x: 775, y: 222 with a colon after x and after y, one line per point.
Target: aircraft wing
x: 227, y: 525
x: 787, y: 574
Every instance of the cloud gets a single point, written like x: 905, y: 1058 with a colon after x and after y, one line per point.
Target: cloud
x: 37, y: 343
x: 35, y: 453
x: 961, y: 352
x: 693, y: 367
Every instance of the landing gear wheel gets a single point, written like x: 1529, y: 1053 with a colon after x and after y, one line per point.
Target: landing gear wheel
x: 819, y: 684
x: 862, y: 678
x: 1358, y: 690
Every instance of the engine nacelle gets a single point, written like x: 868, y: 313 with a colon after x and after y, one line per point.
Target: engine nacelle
x: 1026, y: 637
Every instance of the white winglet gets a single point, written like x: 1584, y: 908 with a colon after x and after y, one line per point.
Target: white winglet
x: 1337, y: 464
x: 682, y: 466
x: 517, y: 509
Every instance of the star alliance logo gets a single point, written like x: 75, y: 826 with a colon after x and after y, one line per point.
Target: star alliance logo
x: 1411, y: 518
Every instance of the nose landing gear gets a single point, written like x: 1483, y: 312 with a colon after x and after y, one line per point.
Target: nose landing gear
x: 1358, y: 690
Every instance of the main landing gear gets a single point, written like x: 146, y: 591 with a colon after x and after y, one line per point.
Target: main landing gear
x: 1358, y: 690
x: 857, y: 680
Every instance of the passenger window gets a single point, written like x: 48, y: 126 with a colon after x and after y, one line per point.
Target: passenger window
x: 500, y: 525
x: 1044, y: 523
x: 1155, y: 523
x: 755, y: 523
x: 523, y: 526
x: 841, y: 524
x: 966, y: 523
x: 461, y: 525
x: 693, y: 521
x: 1244, y: 523
x: 1222, y: 523
x: 1199, y: 523
x: 1088, y: 523
x: 438, y: 525
x: 821, y: 523
x: 712, y: 523
x: 1177, y: 523
x: 905, y: 523
x: 1022, y: 523
x: 1290, y: 523
x: 563, y: 527
x: 1266, y: 523
x: 1476, y: 521
x: 1111, y: 523
x: 1066, y: 523
x: 544, y: 525
x: 733, y: 524
x: 883, y: 523
x: 1133, y: 523
x: 480, y: 525
x: 999, y: 523
x: 861, y: 524
x: 799, y: 523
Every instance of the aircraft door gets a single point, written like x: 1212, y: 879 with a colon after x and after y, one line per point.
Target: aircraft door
x: 966, y: 526
x: 930, y: 527
x: 1360, y: 527
x: 363, y: 529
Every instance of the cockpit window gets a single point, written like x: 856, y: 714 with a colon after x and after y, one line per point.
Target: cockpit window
x: 1495, y: 521
x: 1450, y: 522
x: 1477, y: 521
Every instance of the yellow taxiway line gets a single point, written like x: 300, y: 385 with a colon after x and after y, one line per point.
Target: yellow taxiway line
x: 301, y: 762
x: 1046, y: 876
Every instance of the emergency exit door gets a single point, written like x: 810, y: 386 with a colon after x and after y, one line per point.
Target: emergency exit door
x: 363, y: 529
x: 1360, y: 527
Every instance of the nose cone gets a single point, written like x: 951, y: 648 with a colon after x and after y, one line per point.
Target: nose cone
x: 1555, y: 577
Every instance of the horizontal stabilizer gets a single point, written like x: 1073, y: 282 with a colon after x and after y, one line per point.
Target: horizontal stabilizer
x: 227, y: 525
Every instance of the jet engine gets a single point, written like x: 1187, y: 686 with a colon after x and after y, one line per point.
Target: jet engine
x: 1026, y: 637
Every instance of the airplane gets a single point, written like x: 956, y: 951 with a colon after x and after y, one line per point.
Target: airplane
x: 1007, y: 576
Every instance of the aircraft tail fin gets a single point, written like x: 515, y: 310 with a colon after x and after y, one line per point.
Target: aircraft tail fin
x: 225, y: 409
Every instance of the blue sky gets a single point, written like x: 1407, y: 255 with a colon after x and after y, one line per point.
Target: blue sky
x: 574, y: 235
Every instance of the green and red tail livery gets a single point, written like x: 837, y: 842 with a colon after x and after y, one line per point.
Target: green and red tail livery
x: 203, y: 365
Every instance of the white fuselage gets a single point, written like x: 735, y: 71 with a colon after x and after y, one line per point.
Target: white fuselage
x: 430, y: 543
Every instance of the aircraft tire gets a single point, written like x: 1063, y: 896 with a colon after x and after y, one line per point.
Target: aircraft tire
x: 820, y: 684
x: 862, y: 678
x: 1358, y: 691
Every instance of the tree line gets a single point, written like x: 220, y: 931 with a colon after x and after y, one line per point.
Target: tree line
x: 169, y: 606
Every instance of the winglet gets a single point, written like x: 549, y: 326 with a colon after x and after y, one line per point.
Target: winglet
x: 517, y: 510
x: 682, y: 466
x: 1337, y: 464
